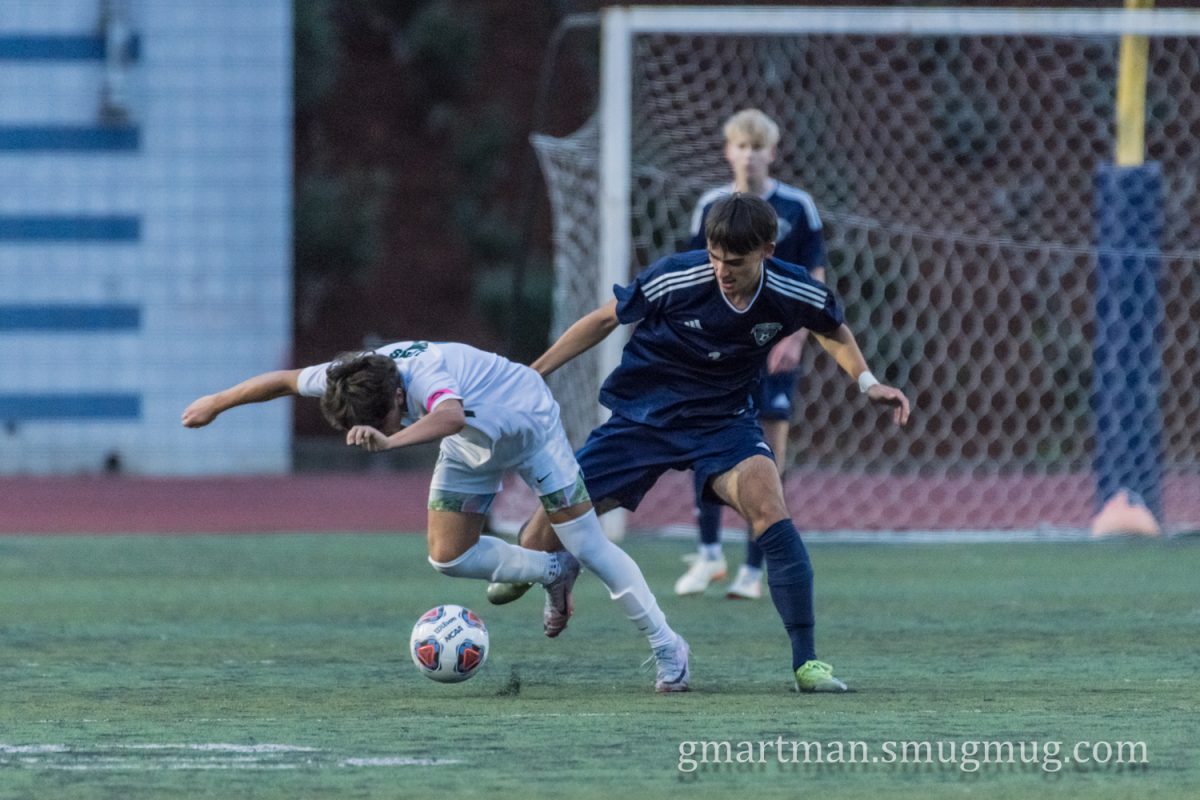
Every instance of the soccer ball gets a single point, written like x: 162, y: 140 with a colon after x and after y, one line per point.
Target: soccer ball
x: 449, y: 643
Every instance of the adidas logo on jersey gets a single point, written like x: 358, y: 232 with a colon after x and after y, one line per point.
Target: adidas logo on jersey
x: 692, y: 323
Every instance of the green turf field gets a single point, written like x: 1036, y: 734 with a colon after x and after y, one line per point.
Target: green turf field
x: 276, y: 666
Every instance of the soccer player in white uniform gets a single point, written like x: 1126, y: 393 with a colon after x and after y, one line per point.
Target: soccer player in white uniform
x: 491, y: 415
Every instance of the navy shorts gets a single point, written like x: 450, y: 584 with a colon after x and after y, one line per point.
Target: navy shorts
x: 621, y: 459
x: 773, y: 398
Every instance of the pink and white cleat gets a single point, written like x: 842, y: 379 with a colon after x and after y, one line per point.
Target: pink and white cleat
x: 559, y: 603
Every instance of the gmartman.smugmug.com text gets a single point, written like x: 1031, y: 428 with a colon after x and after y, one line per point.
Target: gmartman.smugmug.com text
x: 968, y: 755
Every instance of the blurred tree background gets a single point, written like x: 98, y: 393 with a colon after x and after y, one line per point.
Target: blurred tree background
x: 412, y: 162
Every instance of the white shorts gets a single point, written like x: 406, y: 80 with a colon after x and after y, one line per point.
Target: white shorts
x: 546, y: 467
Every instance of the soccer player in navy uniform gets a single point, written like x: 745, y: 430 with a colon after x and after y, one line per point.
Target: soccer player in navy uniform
x: 681, y: 396
x: 751, y: 138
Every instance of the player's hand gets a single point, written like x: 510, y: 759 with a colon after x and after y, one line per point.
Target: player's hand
x: 367, y: 438
x: 201, y: 412
x: 785, y: 355
x: 889, y: 396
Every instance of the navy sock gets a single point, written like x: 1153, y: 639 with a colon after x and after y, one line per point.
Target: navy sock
x: 754, y: 554
x: 790, y: 579
x: 708, y: 516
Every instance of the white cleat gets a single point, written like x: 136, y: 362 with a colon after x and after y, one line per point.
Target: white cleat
x: 672, y: 671
x: 745, y: 586
x: 700, y: 574
x: 559, y: 603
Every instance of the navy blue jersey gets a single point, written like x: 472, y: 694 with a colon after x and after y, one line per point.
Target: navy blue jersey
x: 798, y: 239
x: 693, y: 356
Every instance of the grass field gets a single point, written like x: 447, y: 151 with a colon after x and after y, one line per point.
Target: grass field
x: 276, y: 667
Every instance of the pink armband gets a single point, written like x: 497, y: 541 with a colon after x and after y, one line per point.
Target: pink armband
x: 433, y: 398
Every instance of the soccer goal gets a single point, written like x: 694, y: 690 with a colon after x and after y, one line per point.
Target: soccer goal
x: 1038, y: 304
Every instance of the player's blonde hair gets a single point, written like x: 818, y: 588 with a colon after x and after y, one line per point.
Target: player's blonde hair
x: 756, y: 126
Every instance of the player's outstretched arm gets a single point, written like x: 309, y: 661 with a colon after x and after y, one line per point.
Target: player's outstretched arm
x: 585, y: 334
x: 259, y: 389
x: 447, y: 419
x: 842, y: 345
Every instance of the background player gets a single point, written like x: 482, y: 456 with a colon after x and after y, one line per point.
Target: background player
x: 751, y: 139
x: 681, y: 395
x: 490, y: 415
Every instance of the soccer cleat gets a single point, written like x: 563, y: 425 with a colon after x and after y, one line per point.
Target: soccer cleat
x: 744, y: 587
x: 672, y: 670
x: 499, y: 594
x: 559, y: 603
x: 700, y: 574
x: 817, y: 676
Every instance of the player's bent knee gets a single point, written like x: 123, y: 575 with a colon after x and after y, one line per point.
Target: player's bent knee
x: 764, y: 516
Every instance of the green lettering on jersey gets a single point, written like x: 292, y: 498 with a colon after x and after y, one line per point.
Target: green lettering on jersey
x: 414, y: 349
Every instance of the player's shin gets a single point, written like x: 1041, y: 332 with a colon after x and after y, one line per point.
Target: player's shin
x: 790, y: 579
x: 585, y: 539
x: 494, y: 559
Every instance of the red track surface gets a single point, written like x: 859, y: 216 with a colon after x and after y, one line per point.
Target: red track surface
x: 396, y: 502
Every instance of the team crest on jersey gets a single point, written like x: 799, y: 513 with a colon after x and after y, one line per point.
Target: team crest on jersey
x: 416, y: 348
x: 765, y: 332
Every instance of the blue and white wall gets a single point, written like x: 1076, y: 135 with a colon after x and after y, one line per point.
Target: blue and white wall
x: 145, y: 241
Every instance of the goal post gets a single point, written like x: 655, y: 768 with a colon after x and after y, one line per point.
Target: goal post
x: 955, y: 156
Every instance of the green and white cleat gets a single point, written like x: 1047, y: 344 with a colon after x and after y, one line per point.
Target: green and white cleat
x: 817, y: 676
x: 499, y: 594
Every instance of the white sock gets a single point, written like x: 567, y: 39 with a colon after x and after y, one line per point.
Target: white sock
x: 753, y: 573
x: 711, y: 552
x: 626, y: 585
x: 493, y: 559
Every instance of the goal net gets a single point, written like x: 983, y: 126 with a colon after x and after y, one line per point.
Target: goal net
x: 954, y: 158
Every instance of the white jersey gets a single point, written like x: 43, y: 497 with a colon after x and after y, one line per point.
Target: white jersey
x: 509, y: 408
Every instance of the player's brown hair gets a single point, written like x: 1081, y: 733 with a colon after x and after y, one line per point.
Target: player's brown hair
x: 739, y: 223
x: 360, y: 390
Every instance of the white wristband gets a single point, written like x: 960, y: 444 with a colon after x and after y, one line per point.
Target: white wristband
x: 866, y: 381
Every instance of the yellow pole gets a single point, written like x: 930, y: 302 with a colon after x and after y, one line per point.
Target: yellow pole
x: 1131, y: 95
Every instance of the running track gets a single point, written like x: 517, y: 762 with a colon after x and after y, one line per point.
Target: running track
x: 390, y: 502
